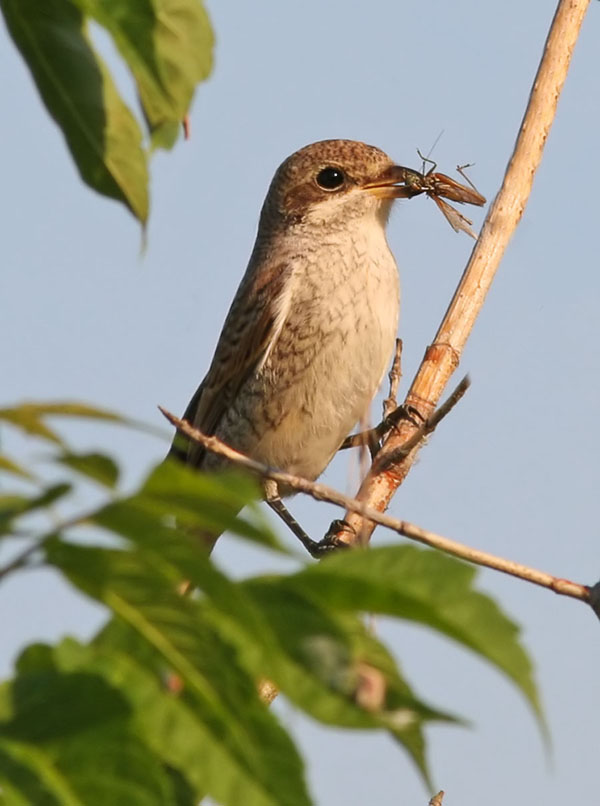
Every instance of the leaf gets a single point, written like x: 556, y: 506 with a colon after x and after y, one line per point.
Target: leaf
x: 255, y: 756
x: 427, y: 587
x: 29, y: 417
x: 199, y: 502
x: 312, y: 655
x: 66, y: 739
x: 172, y: 727
x: 29, y: 421
x: 96, y: 466
x: 329, y: 665
x: 8, y: 465
x: 318, y: 658
x: 29, y: 776
x: 167, y: 45
x: 13, y: 506
x: 103, y: 136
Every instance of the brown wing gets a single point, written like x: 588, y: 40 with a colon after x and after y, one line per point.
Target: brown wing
x: 457, y: 220
x: 442, y: 185
x: 246, y: 336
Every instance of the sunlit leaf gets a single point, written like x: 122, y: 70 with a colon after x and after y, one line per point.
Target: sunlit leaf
x: 103, y: 136
x: 246, y: 736
x: 430, y: 588
x: 199, y: 502
x: 329, y: 665
x: 29, y: 417
x: 167, y: 45
x: 172, y: 726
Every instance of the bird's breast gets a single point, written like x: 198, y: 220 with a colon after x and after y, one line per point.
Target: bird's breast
x: 333, y: 346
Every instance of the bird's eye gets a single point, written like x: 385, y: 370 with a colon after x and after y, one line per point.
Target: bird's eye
x: 330, y: 178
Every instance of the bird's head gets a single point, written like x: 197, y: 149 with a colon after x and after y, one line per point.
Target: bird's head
x: 332, y: 183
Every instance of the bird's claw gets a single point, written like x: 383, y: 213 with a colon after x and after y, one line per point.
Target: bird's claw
x: 332, y: 541
x: 403, y: 412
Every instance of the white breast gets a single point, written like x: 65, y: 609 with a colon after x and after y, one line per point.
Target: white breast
x: 340, y: 316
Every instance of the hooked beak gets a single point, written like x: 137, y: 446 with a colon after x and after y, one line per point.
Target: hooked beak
x: 393, y: 183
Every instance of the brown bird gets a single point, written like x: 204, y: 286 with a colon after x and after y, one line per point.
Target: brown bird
x: 312, y: 328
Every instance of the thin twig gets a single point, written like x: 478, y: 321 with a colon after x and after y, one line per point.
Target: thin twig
x: 21, y: 560
x: 395, y: 373
x: 321, y: 492
x: 442, y: 357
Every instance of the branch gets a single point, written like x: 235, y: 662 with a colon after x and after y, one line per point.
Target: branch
x: 321, y: 492
x: 21, y: 560
x: 395, y: 373
x: 442, y: 357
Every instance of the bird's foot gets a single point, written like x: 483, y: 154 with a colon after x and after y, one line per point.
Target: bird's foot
x: 374, y: 436
x: 333, y: 540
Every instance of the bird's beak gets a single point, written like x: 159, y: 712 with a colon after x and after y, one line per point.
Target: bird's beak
x: 391, y: 184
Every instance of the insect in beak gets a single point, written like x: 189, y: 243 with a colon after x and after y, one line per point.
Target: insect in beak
x: 399, y: 182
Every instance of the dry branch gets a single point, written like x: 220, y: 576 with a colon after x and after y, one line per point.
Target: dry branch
x: 390, y: 403
x: 443, y: 356
x: 321, y: 492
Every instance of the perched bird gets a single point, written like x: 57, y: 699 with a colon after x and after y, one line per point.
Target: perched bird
x: 312, y: 327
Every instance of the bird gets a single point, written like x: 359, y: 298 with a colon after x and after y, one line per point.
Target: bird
x: 312, y: 327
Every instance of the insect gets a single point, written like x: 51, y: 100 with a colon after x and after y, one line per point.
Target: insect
x: 435, y: 185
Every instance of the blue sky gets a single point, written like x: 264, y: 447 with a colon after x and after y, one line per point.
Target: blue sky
x: 514, y: 469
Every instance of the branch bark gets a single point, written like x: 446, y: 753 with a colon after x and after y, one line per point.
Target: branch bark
x: 443, y: 356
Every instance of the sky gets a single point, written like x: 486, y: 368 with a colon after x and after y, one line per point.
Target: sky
x: 513, y: 470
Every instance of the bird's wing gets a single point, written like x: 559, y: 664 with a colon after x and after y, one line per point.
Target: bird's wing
x: 250, y: 330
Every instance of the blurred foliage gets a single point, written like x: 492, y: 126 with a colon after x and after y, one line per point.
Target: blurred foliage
x: 163, y: 705
x: 166, y: 46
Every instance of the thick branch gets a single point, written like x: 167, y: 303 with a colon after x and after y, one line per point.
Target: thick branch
x: 442, y: 357
x: 323, y: 493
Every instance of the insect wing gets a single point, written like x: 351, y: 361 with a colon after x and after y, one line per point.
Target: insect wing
x: 447, y: 187
x: 457, y: 221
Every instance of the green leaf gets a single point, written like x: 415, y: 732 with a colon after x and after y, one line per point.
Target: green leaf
x: 67, y: 740
x: 430, y: 588
x: 318, y: 658
x: 255, y: 756
x: 96, y: 466
x: 315, y: 662
x: 200, y: 502
x: 29, y: 417
x: 13, y: 506
x: 171, y: 726
x: 7, y: 465
x: 103, y: 136
x: 29, y: 776
x: 167, y: 45
x: 329, y: 665
x: 28, y: 420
